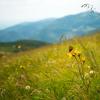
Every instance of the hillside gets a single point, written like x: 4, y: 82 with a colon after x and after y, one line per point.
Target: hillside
x: 22, y: 45
x: 53, y: 72
x: 51, y: 30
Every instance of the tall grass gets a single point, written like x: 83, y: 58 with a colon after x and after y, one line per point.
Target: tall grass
x: 57, y: 72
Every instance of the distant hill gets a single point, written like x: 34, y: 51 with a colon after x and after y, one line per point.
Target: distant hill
x: 21, y: 45
x: 51, y: 30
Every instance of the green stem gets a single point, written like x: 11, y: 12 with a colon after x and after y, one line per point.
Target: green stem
x: 81, y: 73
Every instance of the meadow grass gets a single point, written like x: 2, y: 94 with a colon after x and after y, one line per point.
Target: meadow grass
x: 66, y: 71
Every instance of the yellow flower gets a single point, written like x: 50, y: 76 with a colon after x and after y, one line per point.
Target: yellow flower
x: 69, y: 55
x: 78, y: 53
x: 73, y: 53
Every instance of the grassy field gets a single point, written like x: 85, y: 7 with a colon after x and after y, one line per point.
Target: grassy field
x: 66, y: 71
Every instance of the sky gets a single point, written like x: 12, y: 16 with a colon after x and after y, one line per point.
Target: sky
x: 16, y: 11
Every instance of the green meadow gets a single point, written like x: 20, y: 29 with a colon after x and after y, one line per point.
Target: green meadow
x: 69, y: 70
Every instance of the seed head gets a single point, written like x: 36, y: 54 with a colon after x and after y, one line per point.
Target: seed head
x: 27, y: 87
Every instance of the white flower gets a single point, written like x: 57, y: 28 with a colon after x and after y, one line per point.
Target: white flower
x: 92, y: 72
x: 27, y: 87
x: 86, y: 75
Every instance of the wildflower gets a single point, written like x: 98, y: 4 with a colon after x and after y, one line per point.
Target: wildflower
x: 92, y: 72
x: 73, y: 53
x: 78, y: 53
x: 27, y: 87
x: 86, y: 75
x: 69, y: 55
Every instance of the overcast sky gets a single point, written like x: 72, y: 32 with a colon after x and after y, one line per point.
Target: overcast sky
x: 32, y: 10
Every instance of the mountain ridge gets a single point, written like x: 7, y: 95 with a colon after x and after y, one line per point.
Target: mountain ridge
x: 50, y: 30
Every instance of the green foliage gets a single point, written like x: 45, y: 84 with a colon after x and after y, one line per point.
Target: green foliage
x: 19, y: 46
